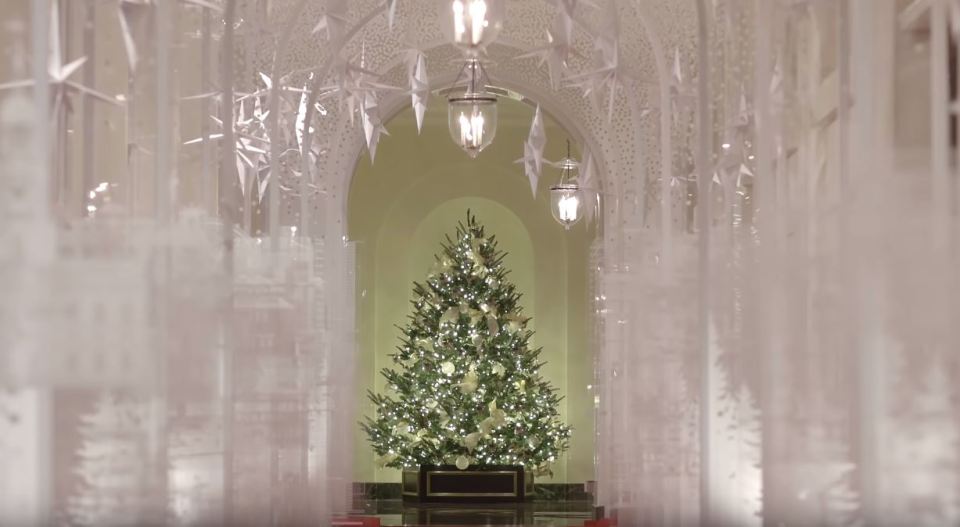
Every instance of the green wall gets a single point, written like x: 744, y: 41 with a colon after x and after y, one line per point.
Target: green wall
x: 399, y: 210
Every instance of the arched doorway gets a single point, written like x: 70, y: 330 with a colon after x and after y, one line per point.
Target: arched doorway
x: 399, y: 208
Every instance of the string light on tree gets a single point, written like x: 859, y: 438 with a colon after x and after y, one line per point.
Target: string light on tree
x: 468, y: 390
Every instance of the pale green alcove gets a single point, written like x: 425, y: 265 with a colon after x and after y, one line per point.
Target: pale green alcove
x: 400, y: 208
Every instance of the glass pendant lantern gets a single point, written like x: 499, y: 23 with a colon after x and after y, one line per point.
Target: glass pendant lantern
x: 471, y: 25
x: 566, y: 198
x: 472, y: 114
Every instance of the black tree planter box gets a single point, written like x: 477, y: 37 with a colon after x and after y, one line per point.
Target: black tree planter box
x: 476, y: 484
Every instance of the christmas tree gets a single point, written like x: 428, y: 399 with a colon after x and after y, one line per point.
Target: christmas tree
x: 466, y: 389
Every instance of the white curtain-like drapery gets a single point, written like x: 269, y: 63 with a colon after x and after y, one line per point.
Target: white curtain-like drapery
x: 797, y: 354
x: 162, y: 361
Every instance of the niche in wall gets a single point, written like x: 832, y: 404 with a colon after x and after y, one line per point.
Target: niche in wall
x: 399, y: 209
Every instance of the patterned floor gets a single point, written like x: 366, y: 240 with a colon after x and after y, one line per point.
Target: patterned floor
x: 539, y: 514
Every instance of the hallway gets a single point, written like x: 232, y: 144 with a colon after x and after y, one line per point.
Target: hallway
x: 480, y: 262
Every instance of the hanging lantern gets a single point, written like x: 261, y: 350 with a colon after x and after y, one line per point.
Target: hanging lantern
x: 472, y: 24
x: 472, y: 115
x: 566, y: 203
x: 566, y: 198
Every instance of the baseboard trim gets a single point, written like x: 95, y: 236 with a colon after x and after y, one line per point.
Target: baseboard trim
x: 544, y: 491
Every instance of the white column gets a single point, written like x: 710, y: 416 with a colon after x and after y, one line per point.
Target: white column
x: 869, y: 153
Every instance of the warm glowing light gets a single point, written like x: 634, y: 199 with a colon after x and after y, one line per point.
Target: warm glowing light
x: 566, y: 204
x: 473, y: 123
x: 478, y: 22
x: 472, y: 115
x: 475, y: 23
x: 569, y: 208
x: 471, y: 129
x: 459, y: 24
x: 472, y: 18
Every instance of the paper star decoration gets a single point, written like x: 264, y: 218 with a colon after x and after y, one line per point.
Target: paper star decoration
x: 565, y: 15
x: 605, y: 80
x: 533, y: 151
x: 559, y: 46
x: 530, y: 167
x: 61, y: 87
x: 419, y: 85
x: 215, y: 95
x: 247, y: 133
x: 316, y: 150
x: 334, y: 20
x: 351, y: 84
x: 555, y: 55
x: 126, y: 11
x: 268, y: 85
x: 372, y: 123
x: 607, y: 76
x: 391, y: 6
x: 301, y: 118
x: 261, y: 97
x: 537, y: 138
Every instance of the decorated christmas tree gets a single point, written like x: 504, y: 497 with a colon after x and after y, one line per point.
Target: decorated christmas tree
x: 466, y: 388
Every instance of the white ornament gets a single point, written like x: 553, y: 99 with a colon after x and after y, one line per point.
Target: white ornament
x: 450, y: 315
x: 448, y: 368
x: 469, y: 384
x: 492, y: 326
x: 486, y: 426
x: 385, y: 459
x: 471, y: 440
